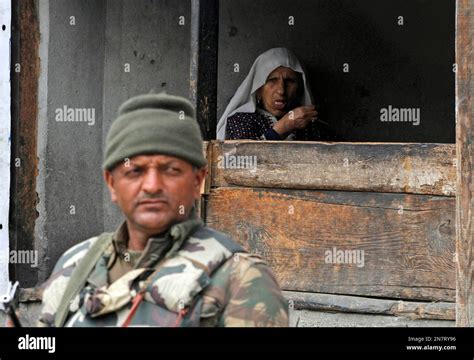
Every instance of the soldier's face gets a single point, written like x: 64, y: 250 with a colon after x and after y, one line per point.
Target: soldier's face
x: 155, y: 191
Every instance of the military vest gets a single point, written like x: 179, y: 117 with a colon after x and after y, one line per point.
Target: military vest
x: 168, y: 295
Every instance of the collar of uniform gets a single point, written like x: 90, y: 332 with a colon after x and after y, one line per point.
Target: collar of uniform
x: 156, y: 246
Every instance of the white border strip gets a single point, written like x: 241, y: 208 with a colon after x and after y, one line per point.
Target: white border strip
x: 5, y: 138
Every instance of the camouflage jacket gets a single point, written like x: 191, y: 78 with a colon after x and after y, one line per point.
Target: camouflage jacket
x: 192, y: 268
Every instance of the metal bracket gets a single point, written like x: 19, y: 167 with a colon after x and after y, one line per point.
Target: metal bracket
x: 8, y: 303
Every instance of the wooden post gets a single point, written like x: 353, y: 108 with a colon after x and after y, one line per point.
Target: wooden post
x: 465, y: 161
x: 203, y: 69
x: 25, y: 69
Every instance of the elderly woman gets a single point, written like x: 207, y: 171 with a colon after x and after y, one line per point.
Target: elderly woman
x: 273, y: 103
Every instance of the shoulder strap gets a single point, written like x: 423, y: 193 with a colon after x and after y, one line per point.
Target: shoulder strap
x: 79, y: 276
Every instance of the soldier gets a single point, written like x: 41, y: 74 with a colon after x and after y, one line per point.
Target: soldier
x: 162, y: 266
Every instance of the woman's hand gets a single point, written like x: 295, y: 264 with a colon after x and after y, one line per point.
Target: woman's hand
x: 295, y: 119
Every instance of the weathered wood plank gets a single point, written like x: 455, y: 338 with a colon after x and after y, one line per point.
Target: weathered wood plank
x: 308, y: 318
x: 465, y: 152
x: 24, y: 133
x: 407, y: 240
x: 379, y: 167
x: 364, y: 305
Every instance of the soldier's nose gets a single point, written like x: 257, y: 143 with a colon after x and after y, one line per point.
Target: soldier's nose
x: 152, y: 183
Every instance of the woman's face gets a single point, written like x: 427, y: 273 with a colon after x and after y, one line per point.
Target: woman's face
x: 281, y: 92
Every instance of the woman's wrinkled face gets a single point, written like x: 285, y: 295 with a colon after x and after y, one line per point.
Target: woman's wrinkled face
x: 281, y: 92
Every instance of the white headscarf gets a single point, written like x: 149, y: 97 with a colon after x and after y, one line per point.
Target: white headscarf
x: 245, y: 100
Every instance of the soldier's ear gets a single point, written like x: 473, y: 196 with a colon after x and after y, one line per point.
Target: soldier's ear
x: 109, y: 180
x: 200, y: 174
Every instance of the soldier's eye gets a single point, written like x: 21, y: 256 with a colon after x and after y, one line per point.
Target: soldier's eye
x: 133, y: 172
x: 173, y: 170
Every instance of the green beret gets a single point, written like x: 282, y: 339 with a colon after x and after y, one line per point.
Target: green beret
x: 154, y: 124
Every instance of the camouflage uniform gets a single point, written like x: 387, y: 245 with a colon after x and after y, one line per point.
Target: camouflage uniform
x: 192, y: 276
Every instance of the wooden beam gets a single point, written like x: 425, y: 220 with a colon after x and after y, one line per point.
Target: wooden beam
x: 24, y: 159
x: 378, y: 167
x: 364, y: 305
x: 321, y: 319
x: 407, y: 241
x: 203, y: 67
x: 465, y: 152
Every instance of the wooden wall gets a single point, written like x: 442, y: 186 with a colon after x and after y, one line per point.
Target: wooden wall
x: 394, y: 202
